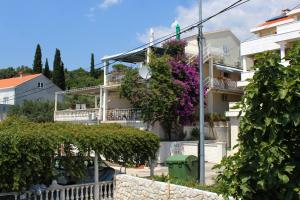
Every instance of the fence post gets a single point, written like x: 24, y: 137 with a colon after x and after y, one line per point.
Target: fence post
x: 96, y: 189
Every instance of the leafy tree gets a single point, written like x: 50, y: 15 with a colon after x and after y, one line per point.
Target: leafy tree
x: 79, y: 78
x: 7, y: 73
x: 46, y: 71
x: 267, y: 164
x: 92, y: 70
x: 37, y: 63
x: 34, y: 111
x: 58, y: 76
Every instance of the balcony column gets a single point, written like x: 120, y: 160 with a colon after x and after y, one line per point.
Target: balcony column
x: 100, y: 104
x: 244, y: 63
x: 211, y: 73
x: 104, y: 109
x: 105, y: 70
x: 282, y: 51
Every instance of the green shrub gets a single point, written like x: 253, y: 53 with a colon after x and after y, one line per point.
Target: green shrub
x: 267, y: 164
x: 27, y: 149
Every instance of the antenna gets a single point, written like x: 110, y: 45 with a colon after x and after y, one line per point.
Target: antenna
x: 145, y: 72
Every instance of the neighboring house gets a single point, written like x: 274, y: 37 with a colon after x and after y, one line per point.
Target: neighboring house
x: 222, y: 72
x: 278, y: 33
x: 35, y: 87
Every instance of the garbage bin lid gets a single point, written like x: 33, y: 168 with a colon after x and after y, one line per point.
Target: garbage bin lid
x: 181, y: 159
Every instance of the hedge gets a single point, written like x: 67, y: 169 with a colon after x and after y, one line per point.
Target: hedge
x: 27, y: 149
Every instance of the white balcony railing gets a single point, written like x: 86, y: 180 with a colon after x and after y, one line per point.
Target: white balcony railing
x: 222, y: 84
x: 94, y: 114
x: 131, y: 114
x: 77, y: 115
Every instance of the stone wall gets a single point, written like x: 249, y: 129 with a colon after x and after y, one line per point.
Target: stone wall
x: 130, y: 187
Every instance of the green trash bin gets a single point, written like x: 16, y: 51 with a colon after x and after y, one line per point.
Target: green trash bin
x: 183, y: 167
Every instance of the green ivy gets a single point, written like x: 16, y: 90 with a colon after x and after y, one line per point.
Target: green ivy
x: 267, y: 164
x: 27, y: 149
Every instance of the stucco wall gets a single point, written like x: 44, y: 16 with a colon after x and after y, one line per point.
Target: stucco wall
x: 3, y: 111
x: 134, y: 188
x: 30, y: 91
x: 214, y: 152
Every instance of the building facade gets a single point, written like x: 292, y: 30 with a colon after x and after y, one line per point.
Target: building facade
x: 276, y: 34
x: 14, y: 91
x: 222, y: 71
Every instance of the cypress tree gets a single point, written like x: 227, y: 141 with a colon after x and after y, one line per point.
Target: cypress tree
x: 37, y: 63
x: 58, y: 71
x: 92, y: 71
x: 46, y: 70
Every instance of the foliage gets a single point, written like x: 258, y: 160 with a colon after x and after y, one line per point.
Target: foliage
x: 267, y: 164
x: 28, y: 149
x: 92, y: 70
x: 12, y: 72
x: 37, y: 63
x: 195, y: 134
x: 46, y: 70
x: 175, y: 48
x: 191, y: 184
x: 79, y: 78
x: 171, y: 95
x: 35, y: 111
x: 58, y: 76
x: 154, y: 97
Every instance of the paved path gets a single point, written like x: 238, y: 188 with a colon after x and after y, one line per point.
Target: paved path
x: 210, y: 174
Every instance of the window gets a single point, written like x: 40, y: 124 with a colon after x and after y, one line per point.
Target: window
x: 226, y: 75
x: 5, y: 100
x: 224, y: 97
x: 40, y: 85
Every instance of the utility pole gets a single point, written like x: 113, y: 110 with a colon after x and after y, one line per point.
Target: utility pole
x: 201, y: 172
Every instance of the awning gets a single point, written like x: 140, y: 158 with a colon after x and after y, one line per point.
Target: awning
x: 135, y: 56
x: 228, y: 68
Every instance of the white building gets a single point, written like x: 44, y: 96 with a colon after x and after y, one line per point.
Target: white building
x: 277, y: 34
x: 221, y: 75
x: 35, y: 87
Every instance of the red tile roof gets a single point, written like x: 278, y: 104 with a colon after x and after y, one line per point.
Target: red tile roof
x: 275, y: 21
x: 13, y: 82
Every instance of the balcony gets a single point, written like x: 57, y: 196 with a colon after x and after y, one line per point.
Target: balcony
x: 95, y: 114
x: 84, y: 115
x: 224, y: 85
x: 285, y: 33
x: 131, y: 114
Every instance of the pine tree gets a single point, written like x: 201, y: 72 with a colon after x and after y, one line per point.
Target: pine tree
x: 37, y: 63
x: 58, y: 71
x: 46, y: 70
x: 93, y: 73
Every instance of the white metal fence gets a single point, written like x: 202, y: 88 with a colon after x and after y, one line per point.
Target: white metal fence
x: 71, y: 192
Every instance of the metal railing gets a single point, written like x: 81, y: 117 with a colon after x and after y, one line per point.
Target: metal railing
x: 70, y: 192
x: 91, y: 114
x: 130, y: 114
x: 222, y: 84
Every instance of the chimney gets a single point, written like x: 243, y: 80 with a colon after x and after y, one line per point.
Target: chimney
x: 21, y: 74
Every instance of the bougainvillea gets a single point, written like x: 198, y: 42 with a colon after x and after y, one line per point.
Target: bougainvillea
x: 186, y: 82
x: 171, y: 96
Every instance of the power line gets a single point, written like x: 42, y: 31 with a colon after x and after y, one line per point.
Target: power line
x: 185, y: 29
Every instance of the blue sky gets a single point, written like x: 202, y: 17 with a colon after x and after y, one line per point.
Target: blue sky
x: 107, y: 27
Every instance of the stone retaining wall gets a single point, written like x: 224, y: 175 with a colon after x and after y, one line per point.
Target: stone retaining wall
x: 134, y: 188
